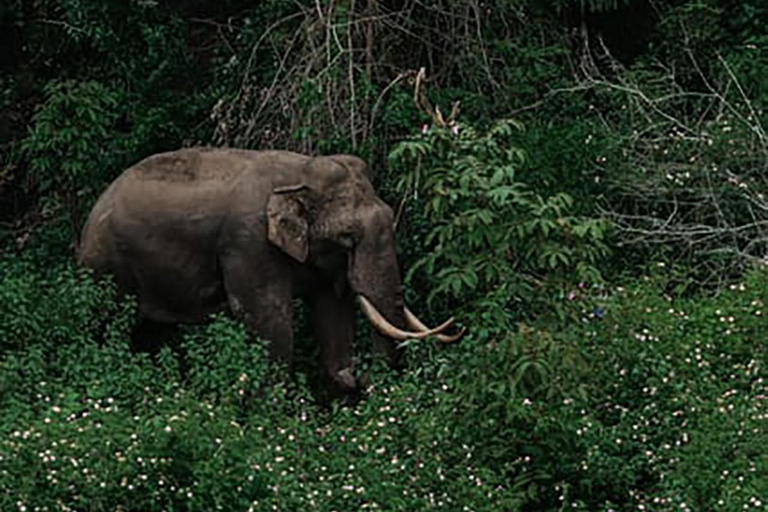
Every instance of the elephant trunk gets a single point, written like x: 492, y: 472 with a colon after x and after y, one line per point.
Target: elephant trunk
x: 375, y: 277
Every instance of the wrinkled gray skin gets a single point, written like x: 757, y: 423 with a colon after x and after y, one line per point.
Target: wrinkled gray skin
x: 196, y: 231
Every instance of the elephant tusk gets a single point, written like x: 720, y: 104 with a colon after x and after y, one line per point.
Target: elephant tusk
x: 415, y: 323
x: 387, y: 329
x: 290, y: 188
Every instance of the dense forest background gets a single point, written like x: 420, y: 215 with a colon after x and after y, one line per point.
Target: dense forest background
x: 584, y: 182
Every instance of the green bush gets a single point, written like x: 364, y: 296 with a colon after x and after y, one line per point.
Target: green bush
x: 487, y: 236
x: 70, y: 133
x: 646, y: 401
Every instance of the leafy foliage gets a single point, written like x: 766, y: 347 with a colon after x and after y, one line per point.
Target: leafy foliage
x: 490, y: 235
x: 644, y: 392
x: 69, y: 134
x: 656, y: 402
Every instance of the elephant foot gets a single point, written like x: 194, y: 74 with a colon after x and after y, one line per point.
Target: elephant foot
x: 345, y: 387
x: 345, y: 380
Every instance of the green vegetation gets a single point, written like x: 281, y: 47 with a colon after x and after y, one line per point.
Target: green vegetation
x: 596, y: 213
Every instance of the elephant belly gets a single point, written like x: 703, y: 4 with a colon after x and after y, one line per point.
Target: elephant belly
x: 180, y: 286
x: 176, y: 301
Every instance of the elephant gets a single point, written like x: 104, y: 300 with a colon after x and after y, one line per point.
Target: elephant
x: 199, y: 230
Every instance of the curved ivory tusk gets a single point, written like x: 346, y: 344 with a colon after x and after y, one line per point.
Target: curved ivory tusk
x: 387, y: 329
x: 414, y: 322
x: 289, y: 188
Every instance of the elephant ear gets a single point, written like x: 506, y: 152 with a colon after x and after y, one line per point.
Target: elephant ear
x: 287, y: 225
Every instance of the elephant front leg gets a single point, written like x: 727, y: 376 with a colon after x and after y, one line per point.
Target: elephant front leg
x: 267, y: 311
x: 333, y: 322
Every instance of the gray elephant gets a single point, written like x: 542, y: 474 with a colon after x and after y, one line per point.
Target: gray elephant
x: 196, y: 231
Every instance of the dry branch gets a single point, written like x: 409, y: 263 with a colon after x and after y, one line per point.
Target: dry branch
x: 334, y: 68
x: 692, y: 171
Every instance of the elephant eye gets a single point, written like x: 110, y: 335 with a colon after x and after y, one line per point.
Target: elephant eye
x: 347, y: 240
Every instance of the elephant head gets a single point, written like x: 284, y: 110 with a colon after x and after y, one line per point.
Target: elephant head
x: 331, y: 218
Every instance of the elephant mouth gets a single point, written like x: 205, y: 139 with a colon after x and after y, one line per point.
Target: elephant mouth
x: 420, y: 331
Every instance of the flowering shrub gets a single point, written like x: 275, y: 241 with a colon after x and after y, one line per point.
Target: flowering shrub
x: 659, y: 403
x: 678, y: 416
